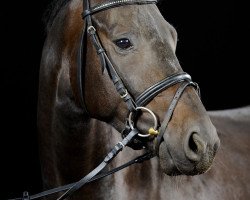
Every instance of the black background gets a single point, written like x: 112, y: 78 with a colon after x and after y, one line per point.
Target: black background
x: 212, y: 47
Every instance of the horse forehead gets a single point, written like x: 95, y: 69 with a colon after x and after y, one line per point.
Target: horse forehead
x: 134, y: 17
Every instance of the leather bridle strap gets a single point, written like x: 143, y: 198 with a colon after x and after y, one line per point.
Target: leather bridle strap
x: 110, y: 156
x: 112, y: 4
x: 105, y: 61
x: 153, y: 91
x: 170, y: 111
x: 139, y: 159
x: 80, y: 72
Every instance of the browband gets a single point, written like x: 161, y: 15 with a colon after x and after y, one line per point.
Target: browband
x: 112, y: 4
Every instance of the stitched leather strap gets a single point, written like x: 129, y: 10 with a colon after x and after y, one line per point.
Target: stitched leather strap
x: 154, y: 90
x: 112, y: 4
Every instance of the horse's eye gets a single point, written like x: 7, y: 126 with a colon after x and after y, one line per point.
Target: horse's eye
x: 123, y: 43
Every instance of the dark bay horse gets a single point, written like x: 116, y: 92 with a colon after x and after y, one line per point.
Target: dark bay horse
x: 78, y: 125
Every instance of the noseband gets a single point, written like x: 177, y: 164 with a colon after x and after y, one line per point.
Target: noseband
x: 131, y: 136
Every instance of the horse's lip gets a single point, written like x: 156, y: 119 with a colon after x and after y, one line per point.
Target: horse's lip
x: 168, y: 163
x: 177, y: 170
x: 191, y: 171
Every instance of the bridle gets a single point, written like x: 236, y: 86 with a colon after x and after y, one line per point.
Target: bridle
x: 133, y: 105
x: 131, y: 136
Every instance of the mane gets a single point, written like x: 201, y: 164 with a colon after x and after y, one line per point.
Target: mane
x: 51, y: 12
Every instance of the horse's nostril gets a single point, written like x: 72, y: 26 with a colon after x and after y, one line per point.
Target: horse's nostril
x: 194, y: 147
x: 216, y: 146
x: 191, y: 143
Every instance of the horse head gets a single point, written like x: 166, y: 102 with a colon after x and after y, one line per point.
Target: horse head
x: 141, y: 46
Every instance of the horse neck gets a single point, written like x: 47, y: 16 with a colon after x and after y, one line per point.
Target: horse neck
x: 72, y: 144
x: 67, y: 136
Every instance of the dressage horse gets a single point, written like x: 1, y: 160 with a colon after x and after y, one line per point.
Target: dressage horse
x: 109, y: 69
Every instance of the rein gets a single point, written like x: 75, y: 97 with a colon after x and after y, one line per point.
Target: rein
x: 131, y: 136
x: 138, y: 159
